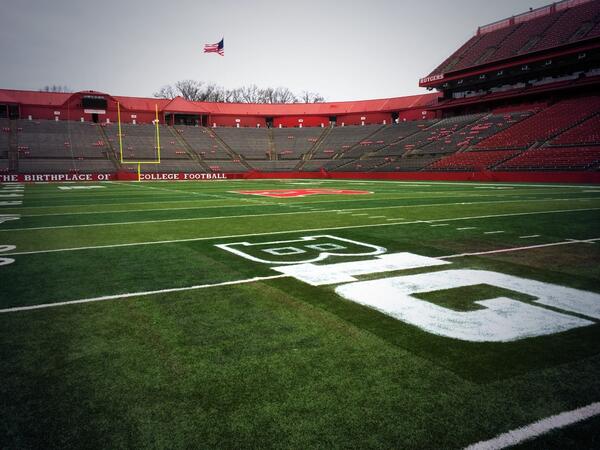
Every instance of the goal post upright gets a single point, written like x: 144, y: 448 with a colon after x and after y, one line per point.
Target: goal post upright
x: 157, y: 142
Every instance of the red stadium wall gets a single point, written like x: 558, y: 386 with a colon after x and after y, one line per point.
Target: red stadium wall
x: 230, y: 121
x: 369, y: 118
x: 307, y: 121
x: 522, y: 177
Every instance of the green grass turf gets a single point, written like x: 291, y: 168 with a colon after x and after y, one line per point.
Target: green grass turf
x: 280, y: 363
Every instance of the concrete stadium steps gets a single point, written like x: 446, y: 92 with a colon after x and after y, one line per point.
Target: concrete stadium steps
x: 544, y: 125
x: 183, y: 166
x: 341, y: 139
x: 140, y: 142
x: 226, y: 166
x: 202, y: 142
x: 587, y: 132
x: 410, y: 163
x: 63, y: 166
x: 273, y: 166
x: 440, y: 131
x: 250, y: 143
x: 59, y: 139
x: 554, y: 158
x: 294, y: 143
x: 472, y: 161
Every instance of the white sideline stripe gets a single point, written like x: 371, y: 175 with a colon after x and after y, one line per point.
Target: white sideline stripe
x: 140, y: 294
x: 347, y: 227
x: 535, y: 429
x: 494, y: 232
x: 251, y: 280
x: 516, y: 249
x: 529, y: 236
x: 307, y: 211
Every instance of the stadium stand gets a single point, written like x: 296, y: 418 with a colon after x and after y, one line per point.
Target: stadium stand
x: 471, y: 161
x: 140, y: 142
x: 273, y: 166
x: 434, y: 136
x: 545, y: 125
x: 293, y: 143
x: 226, y: 166
x: 250, y: 143
x: 341, y: 139
x: 569, y: 158
x: 542, y: 29
x: 409, y: 163
x: 203, y: 143
x: 587, y: 132
x: 63, y: 139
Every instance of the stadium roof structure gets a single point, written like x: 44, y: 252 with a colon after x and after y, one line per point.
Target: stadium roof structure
x: 559, y: 29
x: 181, y: 105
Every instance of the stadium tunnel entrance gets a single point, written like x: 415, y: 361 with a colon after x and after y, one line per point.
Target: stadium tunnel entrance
x: 186, y: 119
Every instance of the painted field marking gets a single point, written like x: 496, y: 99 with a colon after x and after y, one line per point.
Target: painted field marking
x: 280, y: 204
x: 440, y: 225
x: 535, y: 429
x: 531, y: 236
x: 347, y: 227
x: 516, y: 249
x: 397, y: 218
x: 140, y: 294
x: 251, y: 280
x: 466, y: 228
x: 377, y: 217
x: 494, y: 232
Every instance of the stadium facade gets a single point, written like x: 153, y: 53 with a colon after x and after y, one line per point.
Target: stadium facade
x: 519, y: 101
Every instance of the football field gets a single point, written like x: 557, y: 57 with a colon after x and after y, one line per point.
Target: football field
x: 299, y: 314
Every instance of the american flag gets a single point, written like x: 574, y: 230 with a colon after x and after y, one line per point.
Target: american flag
x: 215, y: 48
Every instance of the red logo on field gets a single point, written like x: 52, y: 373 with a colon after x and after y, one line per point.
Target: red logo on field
x: 281, y: 193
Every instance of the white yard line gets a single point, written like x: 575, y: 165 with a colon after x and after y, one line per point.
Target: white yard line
x: 531, y: 236
x: 516, y: 249
x: 140, y: 294
x: 440, y: 225
x: 466, y: 228
x: 347, y: 211
x: 494, y: 232
x: 298, y: 203
x: 535, y: 429
x: 306, y: 230
x: 187, y: 219
x: 254, y: 279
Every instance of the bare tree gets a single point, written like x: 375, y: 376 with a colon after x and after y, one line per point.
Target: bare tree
x: 210, y: 92
x: 55, y: 88
x: 311, y: 97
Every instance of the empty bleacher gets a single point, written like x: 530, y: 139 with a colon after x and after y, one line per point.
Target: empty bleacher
x: 292, y: 143
x: 226, y: 166
x: 140, y: 142
x: 544, y: 125
x: 385, y: 136
x: 587, y: 132
x: 251, y: 143
x: 472, y: 133
x: 434, y: 136
x: 42, y: 165
x: 341, y: 139
x: 531, y: 32
x: 59, y: 139
x: 471, y: 161
x: 554, y: 158
x: 273, y: 166
x: 203, y: 142
x: 410, y: 163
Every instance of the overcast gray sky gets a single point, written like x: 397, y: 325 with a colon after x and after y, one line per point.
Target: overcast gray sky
x: 346, y: 50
